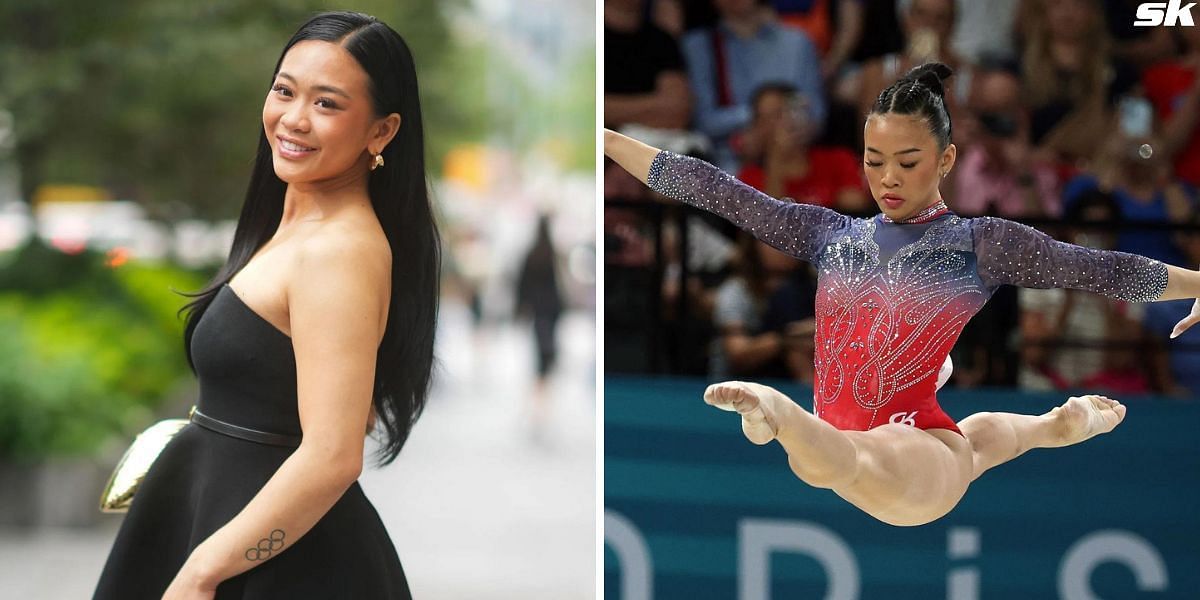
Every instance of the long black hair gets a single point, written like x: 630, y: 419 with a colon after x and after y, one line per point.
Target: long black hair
x: 920, y: 93
x: 400, y: 196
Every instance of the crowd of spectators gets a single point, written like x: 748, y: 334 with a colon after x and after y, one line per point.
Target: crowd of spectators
x: 1066, y: 117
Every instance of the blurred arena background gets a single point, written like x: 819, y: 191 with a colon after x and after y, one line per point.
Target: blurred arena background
x: 1066, y: 117
x: 127, y: 132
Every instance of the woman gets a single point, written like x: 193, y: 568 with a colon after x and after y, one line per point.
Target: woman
x: 538, y: 298
x: 321, y: 320
x: 894, y: 293
x: 1070, y: 80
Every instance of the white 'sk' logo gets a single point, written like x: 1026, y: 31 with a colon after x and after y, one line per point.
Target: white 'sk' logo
x: 1150, y: 14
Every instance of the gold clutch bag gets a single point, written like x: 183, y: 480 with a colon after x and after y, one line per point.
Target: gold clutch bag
x: 128, y: 474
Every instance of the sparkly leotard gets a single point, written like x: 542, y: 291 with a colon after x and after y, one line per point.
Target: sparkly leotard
x: 892, y: 298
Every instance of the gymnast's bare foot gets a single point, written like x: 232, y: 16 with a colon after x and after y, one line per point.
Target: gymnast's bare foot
x: 756, y: 403
x: 1086, y: 416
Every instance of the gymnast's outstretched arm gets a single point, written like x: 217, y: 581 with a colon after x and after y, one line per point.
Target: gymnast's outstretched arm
x: 800, y: 230
x: 1016, y: 254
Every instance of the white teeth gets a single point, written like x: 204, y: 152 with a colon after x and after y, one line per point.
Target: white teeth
x: 293, y: 147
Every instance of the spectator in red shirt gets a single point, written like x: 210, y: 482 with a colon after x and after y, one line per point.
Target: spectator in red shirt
x: 1174, y: 90
x: 788, y: 167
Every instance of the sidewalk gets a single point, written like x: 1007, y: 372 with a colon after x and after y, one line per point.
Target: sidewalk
x: 476, y: 507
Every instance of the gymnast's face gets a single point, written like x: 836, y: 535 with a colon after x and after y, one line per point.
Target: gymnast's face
x: 319, y: 117
x: 902, y: 164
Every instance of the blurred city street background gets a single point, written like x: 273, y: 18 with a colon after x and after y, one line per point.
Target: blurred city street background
x: 105, y: 211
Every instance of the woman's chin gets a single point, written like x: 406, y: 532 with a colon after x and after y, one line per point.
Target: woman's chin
x: 289, y: 174
x: 894, y: 215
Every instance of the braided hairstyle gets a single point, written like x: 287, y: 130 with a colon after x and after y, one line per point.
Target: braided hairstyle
x: 920, y: 93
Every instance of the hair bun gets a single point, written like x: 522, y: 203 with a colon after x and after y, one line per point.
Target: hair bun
x: 931, y: 75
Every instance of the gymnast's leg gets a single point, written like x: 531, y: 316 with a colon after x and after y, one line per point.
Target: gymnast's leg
x: 997, y: 438
x: 896, y: 473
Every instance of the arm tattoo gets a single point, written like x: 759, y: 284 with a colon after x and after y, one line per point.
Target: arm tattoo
x: 266, y: 546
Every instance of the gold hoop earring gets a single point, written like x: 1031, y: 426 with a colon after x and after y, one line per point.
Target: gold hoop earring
x: 378, y: 162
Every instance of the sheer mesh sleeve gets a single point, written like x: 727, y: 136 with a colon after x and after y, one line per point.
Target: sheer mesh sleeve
x: 1020, y: 255
x: 800, y: 230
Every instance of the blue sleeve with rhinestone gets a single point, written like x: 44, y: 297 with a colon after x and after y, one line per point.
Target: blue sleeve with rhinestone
x: 1020, y: 255
x: 800, y: 230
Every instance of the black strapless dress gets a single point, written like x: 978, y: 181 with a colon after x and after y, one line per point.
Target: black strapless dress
x: 247, y: 375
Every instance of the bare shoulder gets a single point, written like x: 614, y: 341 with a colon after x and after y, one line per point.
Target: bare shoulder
x: 343, y: 269
x: 360, y: 250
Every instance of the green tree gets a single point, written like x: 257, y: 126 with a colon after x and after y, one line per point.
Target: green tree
x: 160, y: 100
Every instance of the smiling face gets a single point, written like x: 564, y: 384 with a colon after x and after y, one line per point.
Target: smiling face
x: 902, y: 164
x: 318, y: 116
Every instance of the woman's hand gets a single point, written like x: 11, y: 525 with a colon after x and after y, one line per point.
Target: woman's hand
x: 191, y: 583
x: 1187, y: 321
x: 181, y: 589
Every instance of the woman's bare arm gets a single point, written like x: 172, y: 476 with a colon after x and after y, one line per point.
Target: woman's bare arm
x: 1181, y: 284
x: 336, y: 308
x: 632, y: 155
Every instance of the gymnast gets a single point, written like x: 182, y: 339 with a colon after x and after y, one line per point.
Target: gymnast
x: 894, y: 292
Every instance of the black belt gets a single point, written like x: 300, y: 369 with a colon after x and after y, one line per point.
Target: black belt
x: 243, y: 433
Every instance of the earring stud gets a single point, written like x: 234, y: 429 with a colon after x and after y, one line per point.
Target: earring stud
x: 378, y: 162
